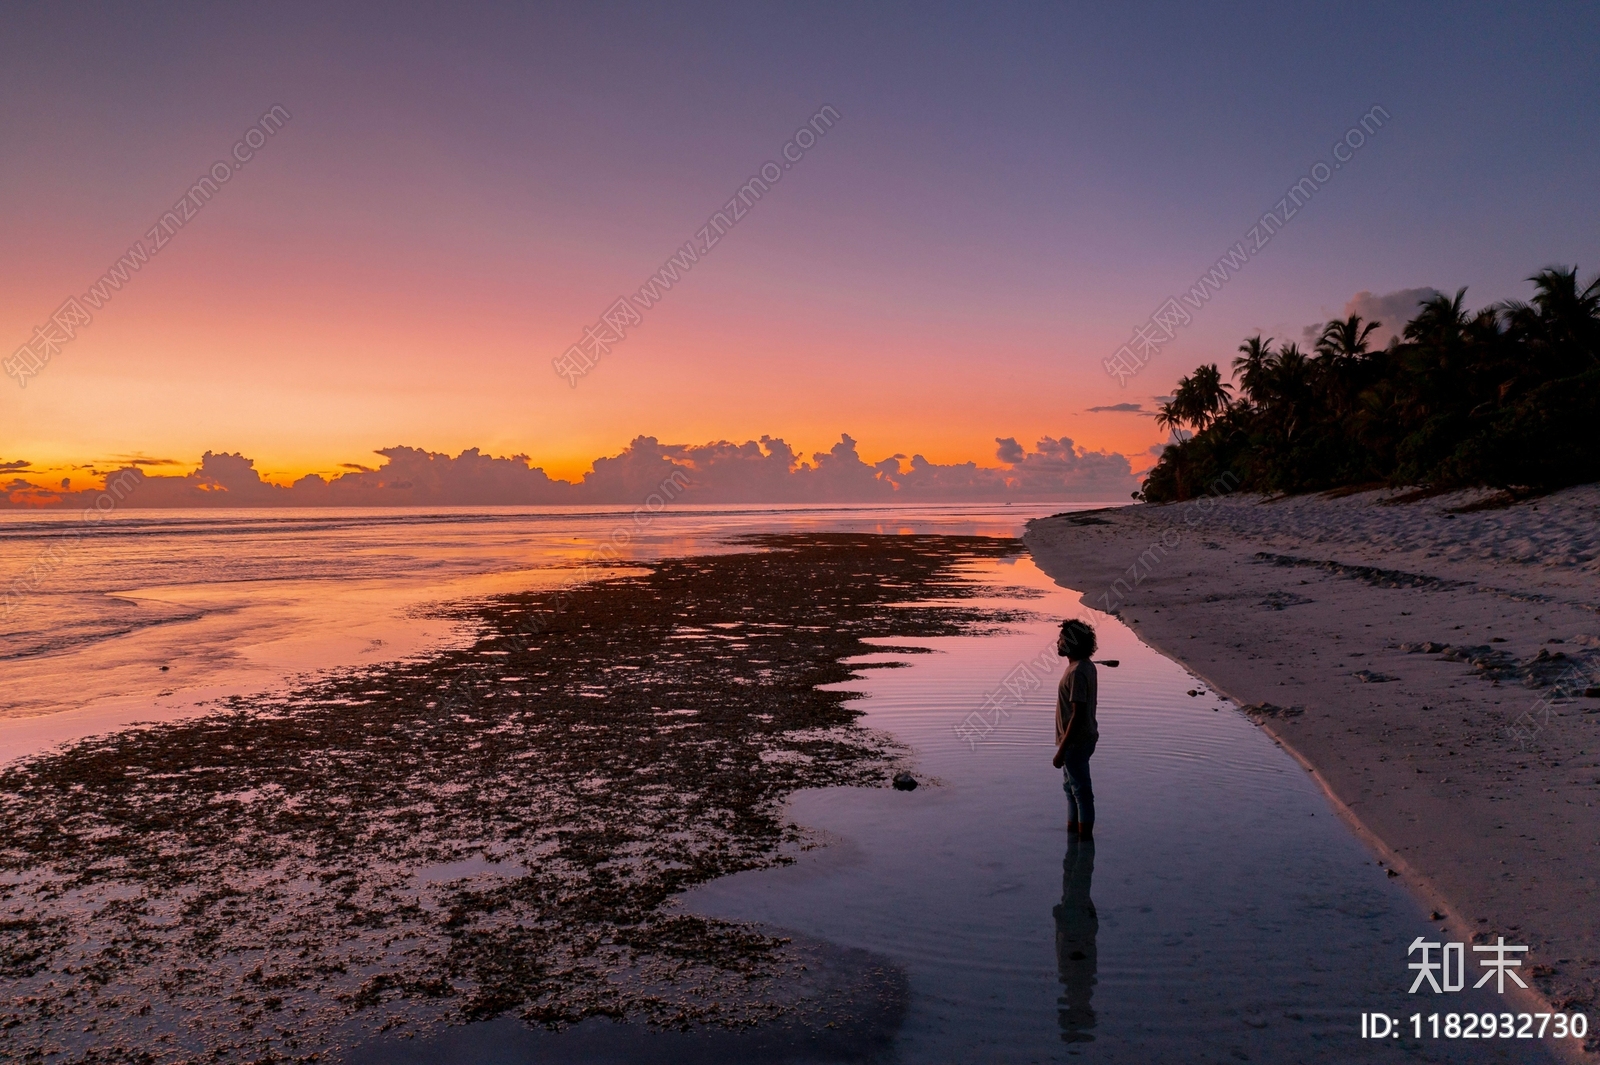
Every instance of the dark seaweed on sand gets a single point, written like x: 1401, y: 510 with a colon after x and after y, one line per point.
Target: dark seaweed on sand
x: 244, y: 886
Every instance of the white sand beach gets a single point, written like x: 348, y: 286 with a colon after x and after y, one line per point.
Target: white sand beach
x: 1428, y: 663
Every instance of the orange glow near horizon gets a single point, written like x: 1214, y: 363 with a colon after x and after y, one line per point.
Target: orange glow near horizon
x: 216, y: 347
x: 451, y: 204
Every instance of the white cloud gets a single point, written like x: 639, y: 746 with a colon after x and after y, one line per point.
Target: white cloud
x: 764, y: 471
x: 1392, y: 309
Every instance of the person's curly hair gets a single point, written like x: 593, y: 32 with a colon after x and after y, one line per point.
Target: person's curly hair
x: 1079, y: 638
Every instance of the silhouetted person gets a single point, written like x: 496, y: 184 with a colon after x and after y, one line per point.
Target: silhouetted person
x: 1076, y: 928
x: 1076, y: 730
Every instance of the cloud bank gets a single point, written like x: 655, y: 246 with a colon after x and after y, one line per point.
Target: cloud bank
x: 757, y: 471
x: 1393, y: 309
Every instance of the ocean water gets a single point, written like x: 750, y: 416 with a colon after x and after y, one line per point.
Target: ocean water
x: 1224, y: 912
x: 154, y: 615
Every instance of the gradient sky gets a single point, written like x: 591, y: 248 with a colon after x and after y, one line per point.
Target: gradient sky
x: 1010, y: 190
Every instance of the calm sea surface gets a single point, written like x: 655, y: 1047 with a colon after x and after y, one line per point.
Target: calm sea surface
x: 152, y: 614
x: 1224, y: 912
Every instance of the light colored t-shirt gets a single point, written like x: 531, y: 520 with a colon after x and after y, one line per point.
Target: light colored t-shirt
x: 1076, y: 698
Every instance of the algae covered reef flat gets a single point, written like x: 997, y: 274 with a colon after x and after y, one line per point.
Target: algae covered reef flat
x: 479, y: 831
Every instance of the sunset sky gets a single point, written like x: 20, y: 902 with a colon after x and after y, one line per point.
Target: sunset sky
x: 1008, y: 192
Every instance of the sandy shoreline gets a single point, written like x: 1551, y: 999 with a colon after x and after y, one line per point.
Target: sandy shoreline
x: 1480, y: 781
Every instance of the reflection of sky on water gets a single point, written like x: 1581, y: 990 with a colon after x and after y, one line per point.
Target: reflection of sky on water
x: 235, y: 601
x: 1223, y: 913
x: 1232, y: 916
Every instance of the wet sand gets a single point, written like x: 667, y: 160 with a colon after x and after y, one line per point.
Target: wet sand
x: 488, y: 830
x: 1427, y: 660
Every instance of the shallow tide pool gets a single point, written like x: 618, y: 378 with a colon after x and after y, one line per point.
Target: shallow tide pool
x: 1223, y: 911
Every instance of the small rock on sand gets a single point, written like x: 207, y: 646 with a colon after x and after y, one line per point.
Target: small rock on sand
x: 905, y: 782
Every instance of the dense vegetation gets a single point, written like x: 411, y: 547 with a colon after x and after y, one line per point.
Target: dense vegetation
x: 1507, y: 396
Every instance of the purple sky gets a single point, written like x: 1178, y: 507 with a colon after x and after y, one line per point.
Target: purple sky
x: 1009, y: 192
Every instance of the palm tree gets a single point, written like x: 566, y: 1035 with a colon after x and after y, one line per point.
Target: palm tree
x: 1569, y: 317
x: 1168, y: 417
x: 1251, y: 367
x: 1202, y: 397
x: 1288, y: 388
x: 1556, y: 335
x: 1502, y: 395
x: 1342, y: 362
x: 1440, y: 322
x: 1346, y: 340
x: 1557, y: 296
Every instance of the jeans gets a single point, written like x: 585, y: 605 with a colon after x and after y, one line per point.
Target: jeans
x: 1075, y: 782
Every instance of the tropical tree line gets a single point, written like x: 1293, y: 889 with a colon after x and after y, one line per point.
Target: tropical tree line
x: 1507, y: 395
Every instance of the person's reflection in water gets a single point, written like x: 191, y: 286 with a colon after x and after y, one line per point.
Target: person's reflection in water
x: 1076, y: 927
